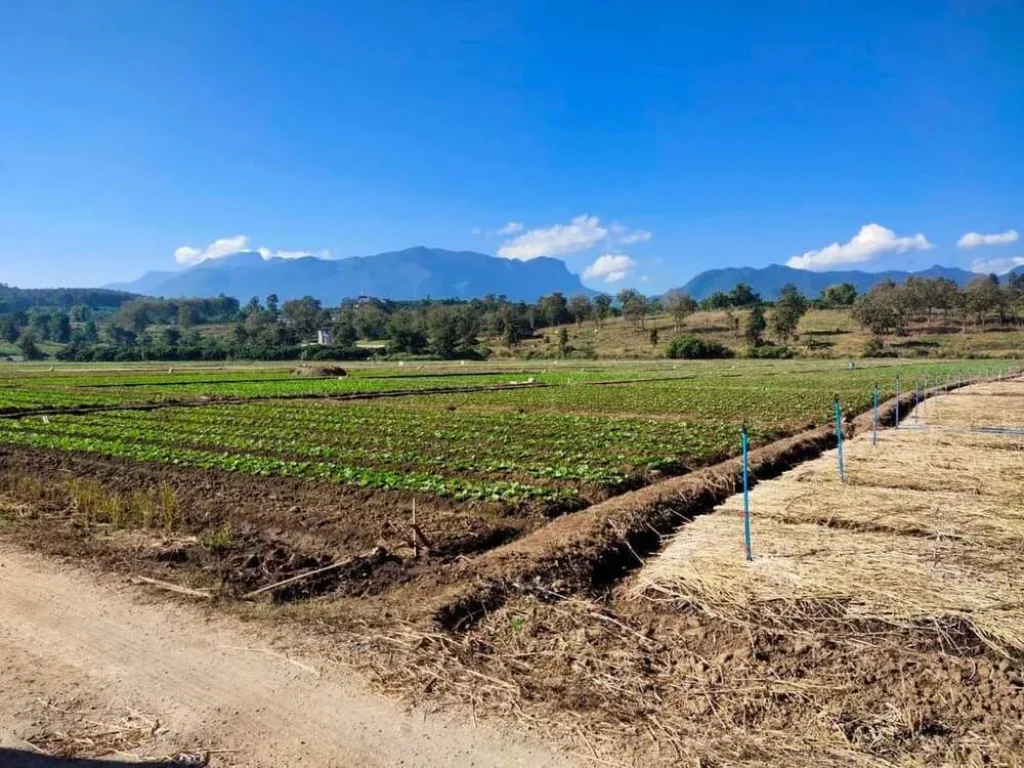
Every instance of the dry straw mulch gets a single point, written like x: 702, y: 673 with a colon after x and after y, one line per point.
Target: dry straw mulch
x: 928, y: 530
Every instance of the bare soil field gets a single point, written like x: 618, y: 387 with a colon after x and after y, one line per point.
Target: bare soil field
x: 229, y: 535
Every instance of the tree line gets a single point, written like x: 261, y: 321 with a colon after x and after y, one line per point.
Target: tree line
x: 890, y: 307
x: 267, y: 329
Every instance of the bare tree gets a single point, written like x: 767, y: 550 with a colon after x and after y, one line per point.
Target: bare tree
x: 679, y: 305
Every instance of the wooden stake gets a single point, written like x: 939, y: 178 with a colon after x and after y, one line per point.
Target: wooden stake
x: 172, y: 587
x: 375, y: 552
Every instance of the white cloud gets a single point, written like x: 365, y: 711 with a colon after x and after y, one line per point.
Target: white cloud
x: 998, y: 266
x: 186, y: 254
x: 627, y: 237
x: 512, y: 228
x: 872, y: 240
x: 476, y: 231
x: 322, y: 254
x: 611, y: 267
x: 975, y: 239
x: 581, y: 233
x: 225, y: 246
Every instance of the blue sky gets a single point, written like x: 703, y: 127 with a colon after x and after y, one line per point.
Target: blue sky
x: 642, y: 141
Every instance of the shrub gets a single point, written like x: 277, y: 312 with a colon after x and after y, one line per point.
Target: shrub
x: 875, y: 347
x: 770, y: 352
x: 692, y: 348
x: 340, y: 353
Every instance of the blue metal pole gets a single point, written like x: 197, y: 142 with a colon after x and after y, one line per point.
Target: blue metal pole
x: 897, y: 424
x: 874, y: 416
x: 839, y: 438
x: 745, y: 442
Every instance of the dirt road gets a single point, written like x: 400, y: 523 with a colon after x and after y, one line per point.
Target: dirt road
x: 85, y: 663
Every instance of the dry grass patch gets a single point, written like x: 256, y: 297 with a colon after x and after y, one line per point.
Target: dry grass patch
x: 926, y: 531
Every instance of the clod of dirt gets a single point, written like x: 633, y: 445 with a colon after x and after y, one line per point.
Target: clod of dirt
x: 320, y: 371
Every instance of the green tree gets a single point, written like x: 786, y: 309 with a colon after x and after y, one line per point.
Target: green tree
x: 883, y: 309
x: 80, y: 313
x: 510, y: 336
x: 405, y: 333
x: 717, y: 300
x: 789, y: 308
x: 253, y: 307
x: 63, y: 331
x: 580, y: 308
x: 838, y: 295
x: 371, y: 321
x: 982, y: 296
x: 29, y: 349
x: 634, y: 307
x: 121, y: 337
x: 602, y: 308
x: 920, y: 296
x: 742, y: 295
x: 563, y: 342
x: 654, y: 337
x: 443, y: 331
x: 345, y: 329
x: 303, y: 314
x: 172, y: 336
x: 8, y: 330
x: 134, y: 315
x: 554, y: 309
x: 948, y: 297
x: 188, y: 316
x: 755, y: 326
x: 39, y: 324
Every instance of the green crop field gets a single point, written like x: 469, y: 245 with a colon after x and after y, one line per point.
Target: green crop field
x: 562, y: 436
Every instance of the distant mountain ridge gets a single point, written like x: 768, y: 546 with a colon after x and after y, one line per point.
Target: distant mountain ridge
x: 767, y: 281
x: 413, y: 273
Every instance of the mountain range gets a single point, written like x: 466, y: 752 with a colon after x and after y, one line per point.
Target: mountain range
x: 419, y: 273
x: 414, y: 273
x: 767, y: 281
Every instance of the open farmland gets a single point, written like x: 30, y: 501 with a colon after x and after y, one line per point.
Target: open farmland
x: 471, y: 537
x: 39, y: 391
x: 555, y: 437
x: 771, y: 399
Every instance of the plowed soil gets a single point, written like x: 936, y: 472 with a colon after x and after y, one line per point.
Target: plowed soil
x: 237, y: 533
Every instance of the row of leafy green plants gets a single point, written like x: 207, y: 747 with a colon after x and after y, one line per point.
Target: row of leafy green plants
x: 509, y: 457
x: 553, y: 445
x: 31, y: 389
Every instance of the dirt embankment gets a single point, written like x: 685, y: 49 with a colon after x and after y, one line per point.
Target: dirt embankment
x: 237, y: 533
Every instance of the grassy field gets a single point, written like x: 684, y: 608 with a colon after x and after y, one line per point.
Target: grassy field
x: 822, y: 333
